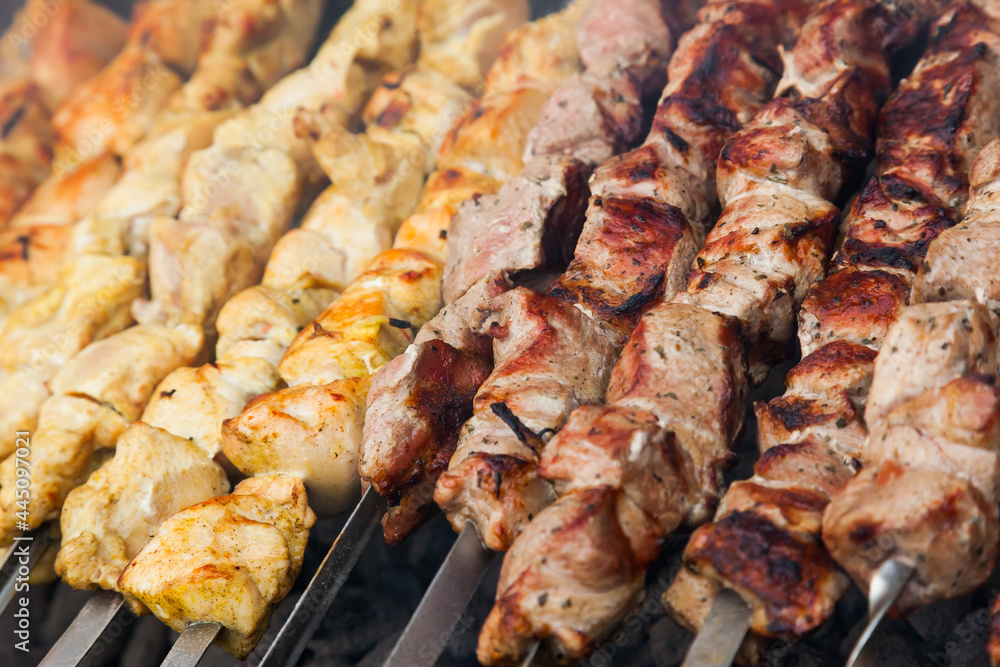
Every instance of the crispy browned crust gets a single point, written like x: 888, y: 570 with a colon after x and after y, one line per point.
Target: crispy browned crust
x: 790, y: 576
x: 854, y: 305
x: 645, y: 236
x: 440, y: 402
x: 812, y: 435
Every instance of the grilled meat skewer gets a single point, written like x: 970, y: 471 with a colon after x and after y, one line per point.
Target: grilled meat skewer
x: 538, y: 355
x: 811, y: 437
x: 932, y: 458
x: 419, y: 399
x: 634, y: 471
x: 143, y: 582
x: 39, y: 67
x: 328, y: 365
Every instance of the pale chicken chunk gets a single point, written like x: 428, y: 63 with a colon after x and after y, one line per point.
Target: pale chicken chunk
x: 193, y: 402
x: 122, y: 370
x: 235, y: 226
x: 90, y: 301
x: 228, y: 560
x: 466, y: 41
x: 148, y: 187
x: 69, y: 431
x: 263, y: 321
x: 254, y: 43
x: 105, y: 522
x: 114, y: 378
x: 312, y: 432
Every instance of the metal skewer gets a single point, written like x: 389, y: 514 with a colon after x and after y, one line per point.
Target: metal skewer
x: 310, y: 609
x: 532, y: 654
x: 889, y: 581
x: 88, y: 626
x: 26, y: 551
x: 721, y: 636
x: 194, y: 641
x: 426, y: 635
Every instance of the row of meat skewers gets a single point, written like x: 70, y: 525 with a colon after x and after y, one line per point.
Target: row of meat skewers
x: 574, y: 423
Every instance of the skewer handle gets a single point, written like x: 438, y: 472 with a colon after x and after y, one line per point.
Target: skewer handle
x: 88, y: 627
x: 34, y: 543
x: 721, y: 636
x: 194, y: 641
x: 315, y: 602
x: 889, y: 581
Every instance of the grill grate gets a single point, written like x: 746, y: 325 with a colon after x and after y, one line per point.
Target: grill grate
x: 384, y: 588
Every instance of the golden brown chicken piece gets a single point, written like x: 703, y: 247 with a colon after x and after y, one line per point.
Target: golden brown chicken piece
x: 306, y: 431
x: 25, y: 146
x: 193, y: 402
x: 228, y: 560
x: 50, y: 49
x: 105, y: 522
x: 116, y: 108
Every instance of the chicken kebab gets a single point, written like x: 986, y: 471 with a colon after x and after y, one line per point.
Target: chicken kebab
x: 418, y: 400
x: 812, y: 438
x: 92, y: 294
x: 96, y: 551
x: 633, y: 471
x: 97, y: 125
x: 245, y: 359
x: 252, y: 44
x: 313, y: 428
x: 83, y: 401
x: 377, y: 179
x: 40, y: 67
x: 533, y: 60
